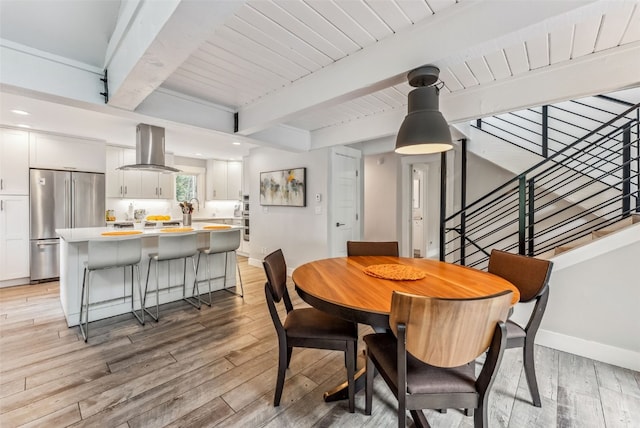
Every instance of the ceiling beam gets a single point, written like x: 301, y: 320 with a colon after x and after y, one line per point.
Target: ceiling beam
x: 154, y: 39
x: 598, y: 73
x: 465, y: 27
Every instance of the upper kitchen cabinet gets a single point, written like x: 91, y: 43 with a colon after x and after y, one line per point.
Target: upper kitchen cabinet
x: 121, y: 184
x: 58, y: 152
x: 224, y: 180
x: 14, y: 162
x: 134, y: 184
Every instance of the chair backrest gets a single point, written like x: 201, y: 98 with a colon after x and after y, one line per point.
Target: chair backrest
x: 276, y: 269
x: 177, y: 245
x: 370, y: 248
x: 528, y: 274
x: 448, y: 332
x: 221, y: 242
x: 106, y: 253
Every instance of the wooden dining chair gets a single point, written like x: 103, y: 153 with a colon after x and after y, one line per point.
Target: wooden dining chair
x: 372, y: 248
x: 306, y: 327
x: 531, y: 277
x: 428, y: 358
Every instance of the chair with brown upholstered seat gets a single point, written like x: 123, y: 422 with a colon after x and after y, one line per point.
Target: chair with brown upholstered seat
x: 531, y: 276
x: 305, y: 328
x: 371, y: 248
x: 428, y: 360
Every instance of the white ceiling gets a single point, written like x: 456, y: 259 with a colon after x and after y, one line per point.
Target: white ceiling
x: 296, y: 71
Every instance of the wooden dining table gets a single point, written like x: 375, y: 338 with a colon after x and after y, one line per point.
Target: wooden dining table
x: 340, y: 286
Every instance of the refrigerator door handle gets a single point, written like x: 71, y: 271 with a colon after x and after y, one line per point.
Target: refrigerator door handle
x: 67, y: 215
x: 73, y: 201
x: 46, y: 243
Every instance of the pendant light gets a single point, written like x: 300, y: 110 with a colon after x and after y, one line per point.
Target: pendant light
x: 424, y: 129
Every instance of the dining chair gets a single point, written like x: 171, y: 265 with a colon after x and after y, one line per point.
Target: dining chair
x: 109, y: 254
x: 305, y: 328
x: 372, y: 248
x: 531, y: 277
x: 428, y: 357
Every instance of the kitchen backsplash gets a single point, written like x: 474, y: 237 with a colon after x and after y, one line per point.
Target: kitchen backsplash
x: 222, y: 209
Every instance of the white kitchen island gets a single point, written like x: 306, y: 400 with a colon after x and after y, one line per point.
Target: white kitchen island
x: 109, y: 284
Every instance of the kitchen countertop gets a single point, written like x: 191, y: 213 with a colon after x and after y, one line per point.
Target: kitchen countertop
x: 94, y: 233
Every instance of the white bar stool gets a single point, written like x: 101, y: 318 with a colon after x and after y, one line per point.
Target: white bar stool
x: 221, y: 242
x: 110, y: 253
x: 173, y: 246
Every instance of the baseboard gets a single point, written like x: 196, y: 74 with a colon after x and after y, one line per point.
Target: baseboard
x: 596, y: 351
x: 14, y: 282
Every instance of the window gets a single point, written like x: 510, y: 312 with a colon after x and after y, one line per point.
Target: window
x: 186, y: 187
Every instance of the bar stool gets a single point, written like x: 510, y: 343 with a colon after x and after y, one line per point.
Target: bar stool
x: 221, y: 242
x: 173, y: 246
x: 108, y: 254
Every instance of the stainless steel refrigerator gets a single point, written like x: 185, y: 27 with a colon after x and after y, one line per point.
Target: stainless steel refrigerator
x: 60, y: 200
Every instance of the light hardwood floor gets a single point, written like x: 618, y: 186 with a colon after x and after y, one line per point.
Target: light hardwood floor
x: 217, y: 367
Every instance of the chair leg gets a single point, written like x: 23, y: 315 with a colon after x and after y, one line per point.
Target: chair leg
x: 146, y: 286
x: 530, y: 372
x: 85, y: 333
x: 140, y: 317
x: 239, y: 277
x: 481, y: 416
x: 195, y: 299
x: 368, y: 401
x: 289, y: 351
x: 351, y: 368
x: 282, y: 369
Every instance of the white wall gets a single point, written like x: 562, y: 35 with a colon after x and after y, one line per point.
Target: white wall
x: 381, y: 216
x: 298, y: 231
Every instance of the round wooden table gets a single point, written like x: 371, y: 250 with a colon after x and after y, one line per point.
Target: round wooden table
x: 340, y: 287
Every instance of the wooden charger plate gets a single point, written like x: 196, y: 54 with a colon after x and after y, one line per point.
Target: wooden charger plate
x: 217, y: 227
x: 176, y: 229
x: 395, y: 272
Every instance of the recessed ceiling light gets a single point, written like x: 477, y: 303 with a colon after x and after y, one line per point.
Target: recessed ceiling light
x: 20, y: 112
x: 198, y: 154
x: 22, y: 125
x: 235, y: 143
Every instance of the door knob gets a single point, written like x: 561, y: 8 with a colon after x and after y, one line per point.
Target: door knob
x: 339, y: 224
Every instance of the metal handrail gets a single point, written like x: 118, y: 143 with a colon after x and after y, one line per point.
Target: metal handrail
x: 512, y: 207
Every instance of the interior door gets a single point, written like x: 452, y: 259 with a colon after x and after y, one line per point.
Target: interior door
x: 344, y: 220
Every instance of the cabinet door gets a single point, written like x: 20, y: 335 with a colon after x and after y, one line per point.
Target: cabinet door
x: 14, y: 237
x: 131, y: 180
x: 234, y: 180
x: 165, y: 186
x: 14, y: 162
x: 53, y: 151
x: 149, y: 185
x: 218, y: 179
x: 114, y: 187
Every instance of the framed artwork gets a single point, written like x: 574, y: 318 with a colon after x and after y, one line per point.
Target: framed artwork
x: 286, y: 187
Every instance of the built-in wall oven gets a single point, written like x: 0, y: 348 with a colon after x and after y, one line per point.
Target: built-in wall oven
x: 245, y: 216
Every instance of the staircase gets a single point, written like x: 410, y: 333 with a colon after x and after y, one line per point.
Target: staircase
x: 581, y: 181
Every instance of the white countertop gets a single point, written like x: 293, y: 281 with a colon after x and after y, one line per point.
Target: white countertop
x: 95, y: 233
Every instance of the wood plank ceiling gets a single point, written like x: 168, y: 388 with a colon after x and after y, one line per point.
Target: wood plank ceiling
x: 270, y: 44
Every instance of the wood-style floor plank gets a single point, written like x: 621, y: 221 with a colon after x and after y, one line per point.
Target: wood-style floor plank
x: 217, y: 367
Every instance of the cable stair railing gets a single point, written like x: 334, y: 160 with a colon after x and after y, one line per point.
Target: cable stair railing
x: 580, y: 187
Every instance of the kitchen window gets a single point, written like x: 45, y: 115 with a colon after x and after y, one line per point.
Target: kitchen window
x: 189, y: 183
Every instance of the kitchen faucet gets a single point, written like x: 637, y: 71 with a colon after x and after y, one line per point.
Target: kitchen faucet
x: 198, y: 203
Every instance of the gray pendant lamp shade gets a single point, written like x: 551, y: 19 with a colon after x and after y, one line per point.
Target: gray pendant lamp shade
x: 424, y: 129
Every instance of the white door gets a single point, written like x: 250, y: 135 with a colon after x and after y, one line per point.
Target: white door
x: 345, y: 183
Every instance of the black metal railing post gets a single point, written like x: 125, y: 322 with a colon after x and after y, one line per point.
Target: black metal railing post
x: 443, y: 202
x: 626, y: 170
x: 545, y: 131
x: 522, y: 211
x: 463, y: 200
x: 531, y: 217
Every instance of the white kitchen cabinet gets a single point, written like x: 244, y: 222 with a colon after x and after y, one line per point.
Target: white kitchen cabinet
x: 122, y: 184
x: 14, y: 162
x: 14, y: 236
x: 58, y: 152
x: 234, y: 180
x: 224, y: 180
x: 135, y: 184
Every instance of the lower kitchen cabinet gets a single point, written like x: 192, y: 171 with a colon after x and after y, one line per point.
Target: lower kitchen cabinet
x: 14, y: 237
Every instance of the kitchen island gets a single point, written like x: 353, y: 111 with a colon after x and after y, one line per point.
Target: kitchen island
x: 108, y: 284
